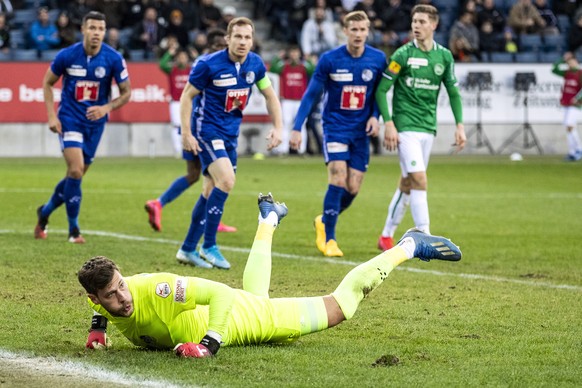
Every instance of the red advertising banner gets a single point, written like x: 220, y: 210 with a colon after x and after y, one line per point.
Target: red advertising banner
x: 21, y: 97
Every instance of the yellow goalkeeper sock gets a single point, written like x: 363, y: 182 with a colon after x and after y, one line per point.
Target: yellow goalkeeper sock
x: 364, y: 278
x: 257, y: 273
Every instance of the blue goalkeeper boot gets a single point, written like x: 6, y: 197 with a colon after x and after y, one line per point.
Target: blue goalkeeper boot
x: 429, y: 247
x: 267, y: 205
x: 192, y: 258
x: 214, y: 257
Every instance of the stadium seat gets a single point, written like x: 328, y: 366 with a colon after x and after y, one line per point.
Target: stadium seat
x: 448, y: 6
x: 137, y: 55
x: 530, y: 42
x: 501, y: 57
x: 53, y: 15
x: 48, y: 55
x: 550, y: 56
x: 25, y: 55
x: 23, y: 18
x: 125, y: 36
x: 563, y: 23
x: 446, y: 20
x: 18, y: 39
x: 553, y: 43
x: 441, y: 37
x: 5, y: 57
x: 526, y: 57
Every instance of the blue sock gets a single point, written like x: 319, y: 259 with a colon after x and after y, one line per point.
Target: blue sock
x: 346, y: 200
x: 176, y: 188
x: 214, y: 209
x: 56, y: 199
x: 196, y: 229
x: 72, y: 197
x: 331, y: 210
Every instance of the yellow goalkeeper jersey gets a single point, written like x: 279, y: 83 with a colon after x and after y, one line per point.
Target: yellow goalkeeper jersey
x: 171, y: 309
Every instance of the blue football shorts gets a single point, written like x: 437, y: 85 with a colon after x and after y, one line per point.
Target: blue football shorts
x: 355, y: 151
x: 81, y: 135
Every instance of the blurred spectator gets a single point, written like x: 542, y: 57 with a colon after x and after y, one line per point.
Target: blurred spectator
x: 464, y: 38
x: 389, y: 42
x: 148, y: 33
x: 228, y: 13
x: 43, y: 34
x: 177, y: 28
x: 338, y: 27
x: 189, y: 10
x: 4, y: 35
x: 490, y: 13
x: 509, y: 43
x: 575, y: 36
x: 488, y: 39
x: 396, y: 17
x: 317, y: 34
x: 547, y: 14
x: 210, y: 15
x: 78, y: 9
x: 113, y: 10
x: 67, y: 30
x: 349, y: 4
x: 376, y: 23
x: 565, y: 7
x: 113, y: 40
x: 133, y: 11
x: 7, y: 9
x: 286, y: 18
x: 524, y: 18
x: 469, y: 6
x: 200, y: 43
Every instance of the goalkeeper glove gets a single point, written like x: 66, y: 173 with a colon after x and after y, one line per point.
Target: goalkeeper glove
x: 98, y: 334
x: 207, y: 347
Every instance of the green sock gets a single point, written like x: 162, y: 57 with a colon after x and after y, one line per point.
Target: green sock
x: 364, y: 278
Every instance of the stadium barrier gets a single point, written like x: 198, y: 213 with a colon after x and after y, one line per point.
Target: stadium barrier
x: 144, y: 120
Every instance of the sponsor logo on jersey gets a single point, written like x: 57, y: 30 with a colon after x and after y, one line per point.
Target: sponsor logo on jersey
x: 394, y: 67
x: 180, y: 294
x: 334, y: 147
x: 73, y: 136
x: 415, y: 63
x: 76, y: 72
x: 163, y: 290
x: 99, y: 72
x: 226, y: 75
x: 218, y: 144
x: 439, y: 69
x: 421, y: 83
x: 250, y: 77
x: 236, y: 99
x: 224, y: 82
x: 367, y: 75
x: 353, y: 97
x: 341, y: 77
x: 86, y: 90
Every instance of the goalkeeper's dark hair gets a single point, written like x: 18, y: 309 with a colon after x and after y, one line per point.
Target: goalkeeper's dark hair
x: 96, y: 274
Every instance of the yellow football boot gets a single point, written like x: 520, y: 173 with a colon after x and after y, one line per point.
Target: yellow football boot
x: 319, y: 233
x: 332, y: 250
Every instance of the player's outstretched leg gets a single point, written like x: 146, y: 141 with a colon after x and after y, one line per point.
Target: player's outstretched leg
x: 257, y: 273
x: 428, y: 247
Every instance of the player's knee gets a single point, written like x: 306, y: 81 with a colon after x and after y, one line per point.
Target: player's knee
x: 192, y: 178
x: 75, y: 173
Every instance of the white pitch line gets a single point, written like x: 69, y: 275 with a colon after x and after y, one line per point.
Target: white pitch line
x: 66, y: 369
x: 320, y: 259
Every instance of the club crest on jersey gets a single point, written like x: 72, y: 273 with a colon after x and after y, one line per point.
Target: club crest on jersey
x: 163, y: 290
x: 439, y: 69
x: 367, y: 75
x: 86, y: 90
x: 99, y: 72
x: 353, y: 97
x: 236, y: 99
x: 250, y: 77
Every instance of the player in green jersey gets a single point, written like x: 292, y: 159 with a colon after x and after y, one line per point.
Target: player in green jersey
x: 197, y: 316
x: 416, y: 70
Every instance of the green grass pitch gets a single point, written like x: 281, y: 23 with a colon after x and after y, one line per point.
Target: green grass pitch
x: 508, y: 314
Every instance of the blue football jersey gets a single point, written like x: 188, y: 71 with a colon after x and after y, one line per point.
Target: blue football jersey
x: 349, y: 85
x: 87, y: 80
x: 226, y: 88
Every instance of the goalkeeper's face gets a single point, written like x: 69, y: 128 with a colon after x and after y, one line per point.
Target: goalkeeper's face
x: 115, y: 297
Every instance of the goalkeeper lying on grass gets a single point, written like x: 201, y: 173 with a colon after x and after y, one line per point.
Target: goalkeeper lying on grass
x: 195, y: 316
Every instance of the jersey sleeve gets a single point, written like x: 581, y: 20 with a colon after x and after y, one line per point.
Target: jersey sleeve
x: 120, y: 69
x: 559, y: 68
x: 389, y: 76
x: 199, y: 75
x: 58, y: 65
x: 314, y: 89
x: 452, y: 85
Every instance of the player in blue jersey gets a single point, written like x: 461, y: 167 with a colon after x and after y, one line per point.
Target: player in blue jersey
x: 348, y: 76
x: 87, y: 69
x: 223, y: 80
x: 153, y: 207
